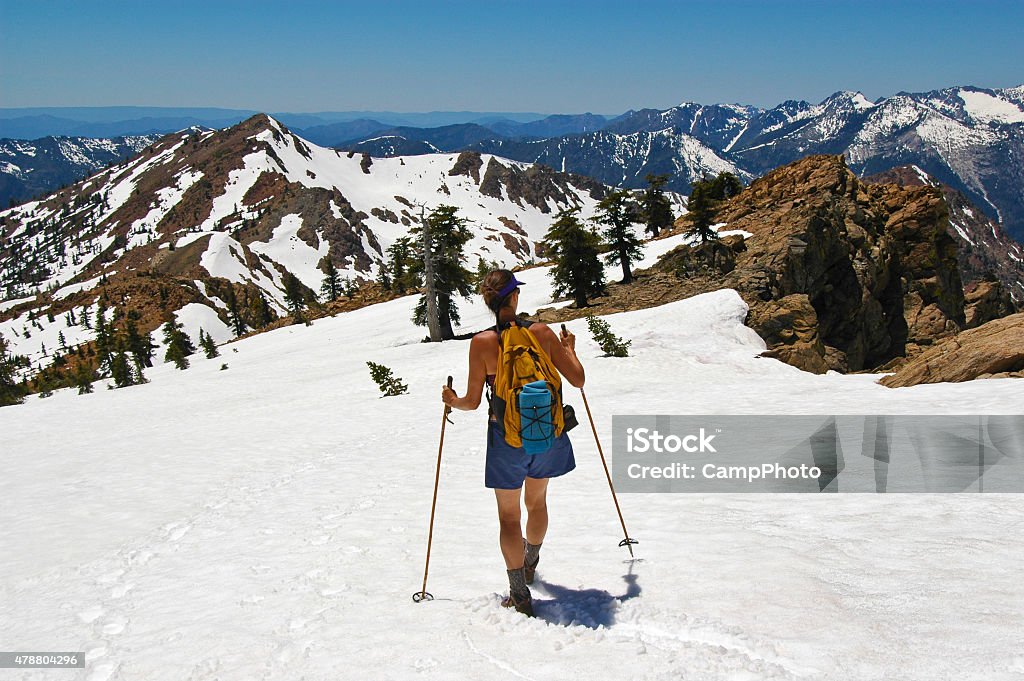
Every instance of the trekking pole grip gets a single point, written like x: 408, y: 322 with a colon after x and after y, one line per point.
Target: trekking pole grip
x: 448, y: 409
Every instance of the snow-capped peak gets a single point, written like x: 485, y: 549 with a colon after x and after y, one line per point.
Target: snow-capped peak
x: 986, y: 107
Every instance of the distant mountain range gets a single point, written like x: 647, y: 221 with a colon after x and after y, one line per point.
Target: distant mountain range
x: 31, y: 168
x: 116, y: 121
x: 969, y: 138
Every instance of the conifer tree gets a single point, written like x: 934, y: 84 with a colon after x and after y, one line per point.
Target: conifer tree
x: 294, y: 295
x: 655, y: 209
x: 331, y: 287
x: 389, y: 384
x: 84, y: 375
x: 614, y: 211
x: 140, y: 345
x: 401, y: 264
x: 262, y: 312
x: 10, y: 391
x: 104, y: 339
x: 234, y: 313
x: 610, y: 344
x: 701, y: 212
x: 120, y: 365
x: 384, y: 276
x: 207, y: 344
x: 725, y: 186
x: 483, y: 268
x: 178, y: 344
x: 574, y: 249
x: 448, y: 237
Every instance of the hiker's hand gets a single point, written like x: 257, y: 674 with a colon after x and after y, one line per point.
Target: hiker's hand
x: 448, y: 395
x: 568, y: 339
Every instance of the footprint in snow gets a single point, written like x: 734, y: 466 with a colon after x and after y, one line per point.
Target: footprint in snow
x: 91, y: 613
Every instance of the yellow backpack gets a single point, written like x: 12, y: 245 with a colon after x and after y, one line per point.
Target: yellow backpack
x: 524, y: 372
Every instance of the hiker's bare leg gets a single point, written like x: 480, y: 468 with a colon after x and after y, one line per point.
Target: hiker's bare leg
x: 536, y: 493
x: 510, y: 520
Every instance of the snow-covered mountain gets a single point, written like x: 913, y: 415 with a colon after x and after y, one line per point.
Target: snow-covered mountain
x: 32, y: 167
x: 202, y: 216
x: 969, y: 138
x: 622, y: 159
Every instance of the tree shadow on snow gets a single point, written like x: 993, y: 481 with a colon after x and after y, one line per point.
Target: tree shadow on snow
x: 590, y: 608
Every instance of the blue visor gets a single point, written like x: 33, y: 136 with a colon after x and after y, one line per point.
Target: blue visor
x: 509, y: 287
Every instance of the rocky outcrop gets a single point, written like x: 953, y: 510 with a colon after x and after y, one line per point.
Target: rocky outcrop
x: 842, y: 274
x: 537, y: 185
x: 985, y: 252
x: 994, y: 349
x: 985, y: 301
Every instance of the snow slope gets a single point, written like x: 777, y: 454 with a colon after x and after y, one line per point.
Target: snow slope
x: 269, y: 522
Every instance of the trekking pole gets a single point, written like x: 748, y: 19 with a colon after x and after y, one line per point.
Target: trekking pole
x: 423, y: 594
x: 627, y: 541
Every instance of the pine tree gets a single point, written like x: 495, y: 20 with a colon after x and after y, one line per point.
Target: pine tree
x: 85, y: 317
x: 140, y: 345
x: 614, y: 211
x: 401, y: 264
x: 612, y: 345
x: 231, y: 300
x: 294, y: 295
x: 331, y: 288
x: 84, y: 375
x: 388, y: 383
x: 483, y: 268
x: 384, y: 276
x: 179, y: 346
x: 120, y: 365
x: 104, y: 339
x: 448, y: 237
x: 207, y: 344
x: 701, y: 212
x: 262, y: 312
x: 574, y: 249
x: 724, y: 186
x: 11, y: 392
x: 655, y: 209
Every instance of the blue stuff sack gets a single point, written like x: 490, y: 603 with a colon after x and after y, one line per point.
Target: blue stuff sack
x: 536, y: 424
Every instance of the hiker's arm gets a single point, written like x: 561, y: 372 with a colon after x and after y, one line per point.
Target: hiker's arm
x: 562, y: 351
x: 475, y: 384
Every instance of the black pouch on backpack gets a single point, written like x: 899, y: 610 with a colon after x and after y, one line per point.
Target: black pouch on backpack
x: 569, y: 415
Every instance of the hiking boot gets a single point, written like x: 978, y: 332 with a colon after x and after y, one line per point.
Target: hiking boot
x: 530, y: 559
x: 523, y: 604
x: 529, y: 570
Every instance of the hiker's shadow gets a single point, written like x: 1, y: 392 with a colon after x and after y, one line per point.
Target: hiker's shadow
x: 590, y: 608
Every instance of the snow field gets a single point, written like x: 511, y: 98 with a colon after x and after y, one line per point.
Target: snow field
x: 269, y: 522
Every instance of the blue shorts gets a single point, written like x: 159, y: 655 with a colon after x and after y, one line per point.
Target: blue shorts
x: 508, y: 467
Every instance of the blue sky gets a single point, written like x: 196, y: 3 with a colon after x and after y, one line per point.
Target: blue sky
x: 550, y: 56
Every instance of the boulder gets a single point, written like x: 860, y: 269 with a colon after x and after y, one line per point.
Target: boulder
x: 994, y: 349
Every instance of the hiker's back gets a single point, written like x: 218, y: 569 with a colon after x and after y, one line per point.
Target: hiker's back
x: 527, y: 390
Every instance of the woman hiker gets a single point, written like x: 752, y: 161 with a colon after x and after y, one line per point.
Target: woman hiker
x: 508, y: 469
